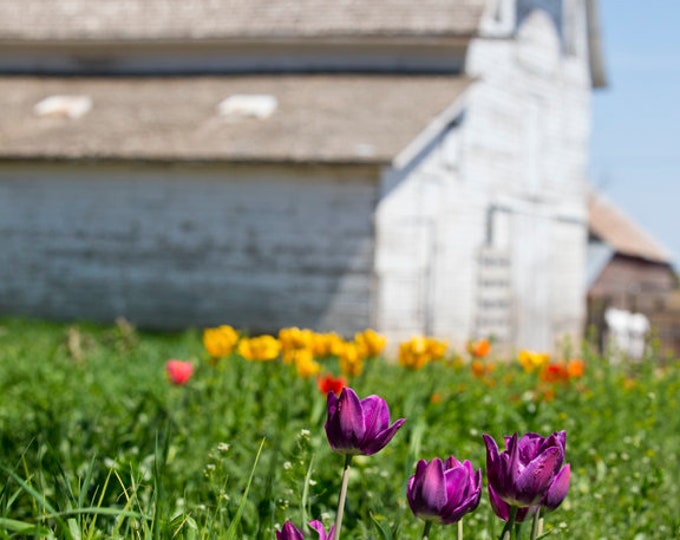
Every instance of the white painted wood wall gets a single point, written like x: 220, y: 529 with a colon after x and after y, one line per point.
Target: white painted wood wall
x: 171, y: 246
x: 526, y: 146
x: 521, y: 148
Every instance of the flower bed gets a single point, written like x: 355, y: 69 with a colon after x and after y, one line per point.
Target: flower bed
x: 101, y: 435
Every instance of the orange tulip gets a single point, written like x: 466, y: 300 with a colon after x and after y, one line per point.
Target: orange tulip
x: 480, y: 348
x: 575, y: 368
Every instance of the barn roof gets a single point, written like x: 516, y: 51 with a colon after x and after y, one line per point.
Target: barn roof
x: 142, y: 20
x: 613, y: 227
x: 315, y: 118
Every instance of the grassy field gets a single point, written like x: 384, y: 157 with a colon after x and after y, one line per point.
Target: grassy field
x: 96, y: 442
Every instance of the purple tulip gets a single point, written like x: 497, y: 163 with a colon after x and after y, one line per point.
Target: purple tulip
x: 523, y: 474
x: 443, y: 492
x: 291, y: 532
x: 358, y: 426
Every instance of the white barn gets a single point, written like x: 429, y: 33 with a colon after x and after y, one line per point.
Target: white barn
x: 416, y: 167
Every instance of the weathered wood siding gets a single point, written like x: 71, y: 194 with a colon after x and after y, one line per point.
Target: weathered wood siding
x: 174, y: 246
x: 486, y: 232
x: 525, y: 144
x: 429, y: 228
x: 634, y: 284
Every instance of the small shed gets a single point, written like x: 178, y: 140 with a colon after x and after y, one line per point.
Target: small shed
x: 628, y: 270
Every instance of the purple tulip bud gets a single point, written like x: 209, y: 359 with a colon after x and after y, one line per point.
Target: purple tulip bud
x: 358, y: 426
x: 502, y: 509
x: 291, y: 532
x: 522, y: 474
x: 444, y: 492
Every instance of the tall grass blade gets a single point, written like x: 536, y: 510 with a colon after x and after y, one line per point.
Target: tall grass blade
x: 231, y: 532
x: 22, y: 527
x: 305, y: 489
x: 40, y: 500
x: 385, y: 534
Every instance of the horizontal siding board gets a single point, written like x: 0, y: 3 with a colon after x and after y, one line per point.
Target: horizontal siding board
x: 188, y: 246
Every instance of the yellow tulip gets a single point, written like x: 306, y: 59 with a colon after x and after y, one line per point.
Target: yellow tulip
x: 371, y: 341
x: 260, y: 349
x: 220, y: 341
x: 351, y: 360
x: 532, y: 360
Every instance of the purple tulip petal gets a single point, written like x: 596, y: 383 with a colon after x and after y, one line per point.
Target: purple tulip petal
x: 417, y: 478
x: 478, y: 484
x: 458, y: 496
x: 456, y: 486
x: 452, y: 462
x: 332, y: 403
x: 529, y: 445
x: 558, y: 489
x: 376, y: 415
x: 547, y: 443
x: 381, y: 440
x: 289, y: 532
x: 502, y: 509
x: 514, y: 464
x: 535, y: 480
x: 474, y: 494
x: 510, y: 442
x: 498, y: 505
x: 318, y: 527
x: 351, y: 415
x: 492, y: 458
x: 433, y: 488
x: 497, y: 466
x: 472, y: 491
x: 345, y: 426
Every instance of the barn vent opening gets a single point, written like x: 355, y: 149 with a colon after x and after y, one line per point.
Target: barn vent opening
x: 64, y: 106
x: 237, y: 106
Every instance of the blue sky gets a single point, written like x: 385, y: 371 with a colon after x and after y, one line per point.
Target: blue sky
x: 635, y: 141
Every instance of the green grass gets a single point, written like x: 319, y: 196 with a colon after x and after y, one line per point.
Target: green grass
x: 95, y: 443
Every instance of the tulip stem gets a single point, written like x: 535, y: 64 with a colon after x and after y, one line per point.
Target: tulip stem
x: 535, y: 524
x: 506, y: 533
x: 426, y: 530
x: 460, y: 530
x: 343, y: 496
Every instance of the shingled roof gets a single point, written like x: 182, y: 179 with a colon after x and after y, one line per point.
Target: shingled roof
x: 318, y: 118
x: 612, y: 226
x: 173, y: 20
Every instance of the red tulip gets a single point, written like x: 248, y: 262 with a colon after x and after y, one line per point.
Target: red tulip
x: 179, y: 371
x: 328, y: 383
